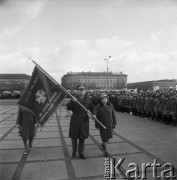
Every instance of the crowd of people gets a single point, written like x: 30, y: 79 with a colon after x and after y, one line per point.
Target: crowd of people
x: 157, y: 105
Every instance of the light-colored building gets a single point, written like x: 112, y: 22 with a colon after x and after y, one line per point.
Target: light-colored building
x: 13, y: 82
x: 164, y: 84
x: 95, y: 80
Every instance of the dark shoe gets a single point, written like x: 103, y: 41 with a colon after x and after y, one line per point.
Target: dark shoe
x: 106, y: 154
x: 74, y: 154
x: 82, y: 156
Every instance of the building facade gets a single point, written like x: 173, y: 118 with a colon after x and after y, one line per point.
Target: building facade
x: 154, y: 85
x: 13, y: 82
x: 94, y: 80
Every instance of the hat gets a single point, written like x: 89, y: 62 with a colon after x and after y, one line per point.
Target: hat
x: 103, y: 95
x: 80, y: 87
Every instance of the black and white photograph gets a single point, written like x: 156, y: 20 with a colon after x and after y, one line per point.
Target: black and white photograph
x: 88, y: 89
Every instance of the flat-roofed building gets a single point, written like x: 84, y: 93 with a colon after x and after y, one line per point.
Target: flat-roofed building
x: 95, y: 80
x: 164, y: 84
x: 13, y: 82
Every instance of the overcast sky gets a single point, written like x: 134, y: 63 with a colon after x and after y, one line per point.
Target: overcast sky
x: 77, y: 35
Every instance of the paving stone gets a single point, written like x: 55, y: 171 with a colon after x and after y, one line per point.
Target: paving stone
x: 4, y: 130
x: 4, y: 116
x: 91, y: 128
x: 47, y: 135
x: 91, y: 146
x: 12, y: 120
x: 13, y: 136
x: 46, y: 142
x: 65, y: 128
x: 33, y: 171
x: 49, y: 129
x: 117, y: 148
x: 65, y: 124
x: 45, y: 154
x: 6, y: 125
x: 11, y: 155
x: 1, y: 135
x: 66, y: 133
x: 37, y: 154
x: 150, y: 145
x: 54, y: 153
x: 52, y: 120
x: 68, y: 141
x: 114, y: 139
x: 94, y: 132
x: 7, y: 171
x: 10, y: 144
x: 89, y: 167
x: 64, y: 121
x: 51, y: 124
x: 15, y: 130
x: 55, y: 170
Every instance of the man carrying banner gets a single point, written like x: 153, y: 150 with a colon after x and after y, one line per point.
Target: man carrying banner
x: 38, y: 102
x: 41, y: 96
x: 79, y: 124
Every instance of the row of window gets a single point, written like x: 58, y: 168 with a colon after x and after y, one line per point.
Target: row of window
x: 165, y: 84
x: 2, y: 81
x: 103, y: 86
x: 92, y: 81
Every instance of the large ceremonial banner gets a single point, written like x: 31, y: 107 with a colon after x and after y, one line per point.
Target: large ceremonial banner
x: 41, y: 96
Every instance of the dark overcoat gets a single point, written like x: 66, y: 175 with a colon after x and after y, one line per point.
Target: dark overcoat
x: 107, y: 117
x: 146, y: 104
x: 134, y: 103
x: 173, y: 109
x: 151, y: 106
x: 26, y: 120
x: 142, y: 102
x: 156, y: 105
x: 79, y: 123
x: 167, y: 107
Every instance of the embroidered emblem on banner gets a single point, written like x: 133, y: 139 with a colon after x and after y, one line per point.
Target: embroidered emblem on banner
x: 40, y: 96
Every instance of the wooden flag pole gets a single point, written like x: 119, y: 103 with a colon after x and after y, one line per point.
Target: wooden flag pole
x: 67, y: 92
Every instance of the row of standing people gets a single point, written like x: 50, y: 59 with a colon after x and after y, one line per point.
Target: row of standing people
x: 156, y: 106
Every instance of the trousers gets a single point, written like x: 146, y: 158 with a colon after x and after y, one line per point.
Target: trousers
x: 80, y: 147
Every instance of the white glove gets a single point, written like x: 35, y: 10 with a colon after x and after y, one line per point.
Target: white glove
x: 74, y: 99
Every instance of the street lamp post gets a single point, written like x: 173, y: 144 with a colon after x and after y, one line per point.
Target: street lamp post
x: 107, y: 70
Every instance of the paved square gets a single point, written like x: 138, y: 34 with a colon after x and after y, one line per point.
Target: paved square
x: 51, y: 159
